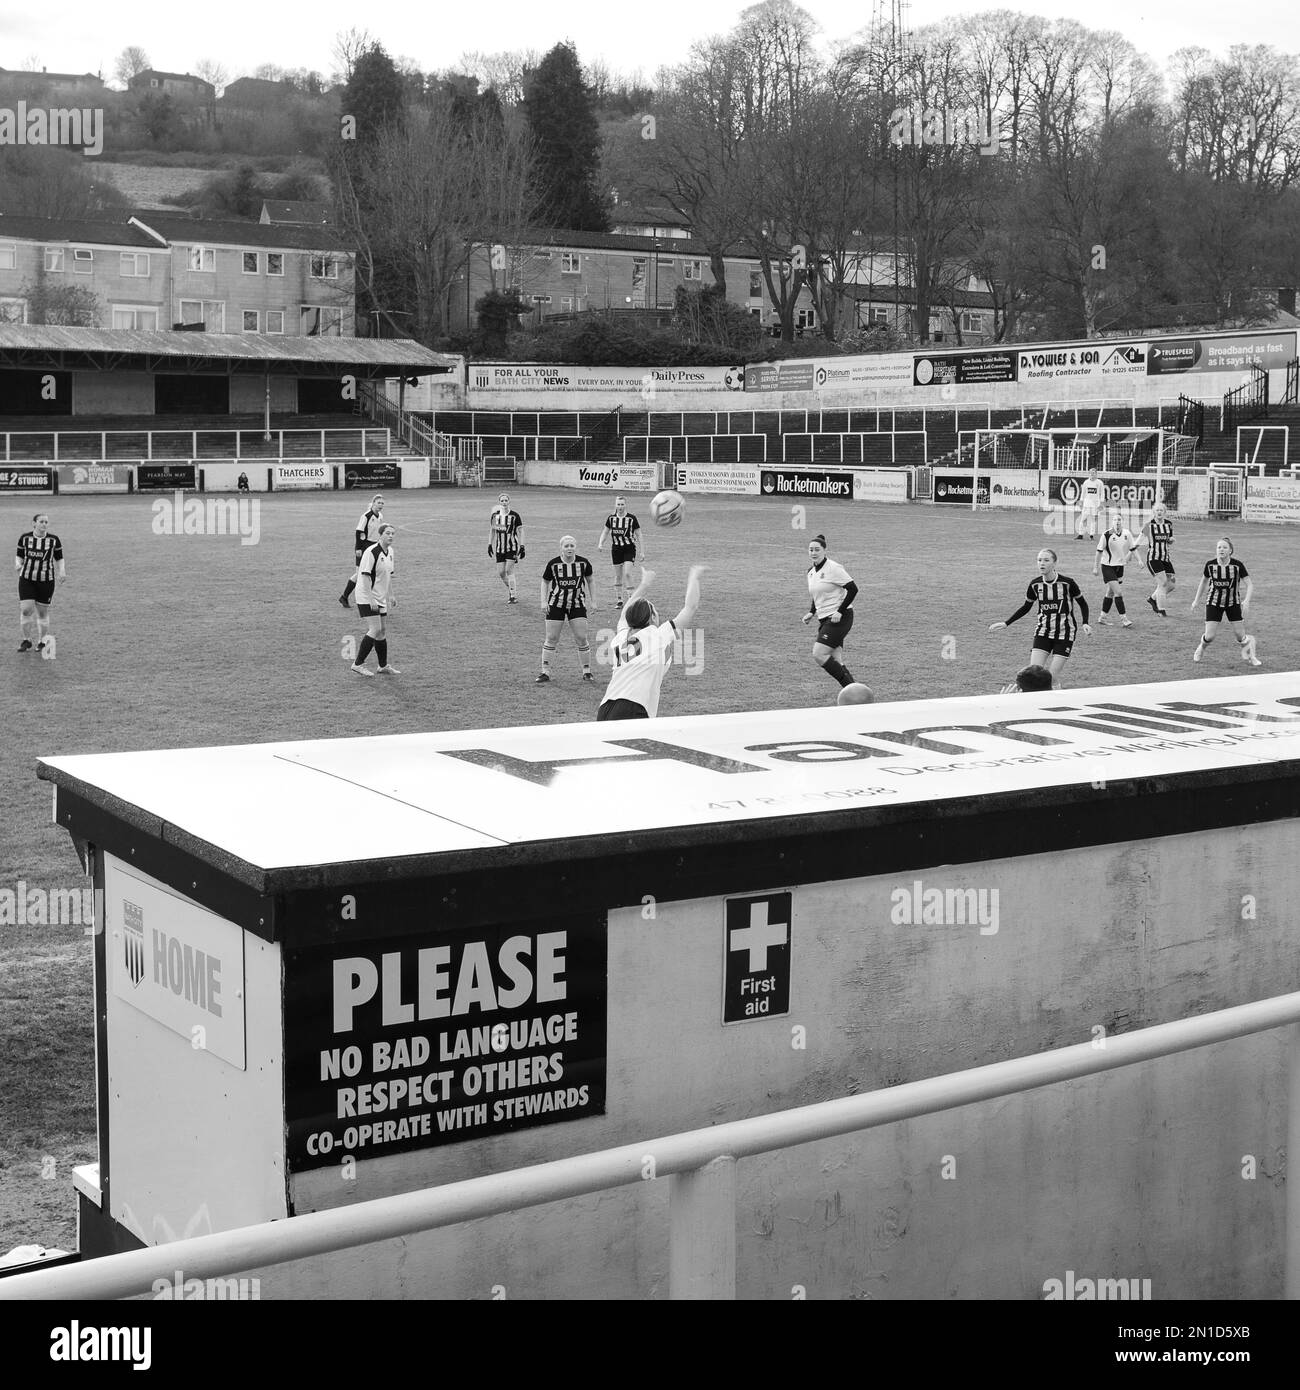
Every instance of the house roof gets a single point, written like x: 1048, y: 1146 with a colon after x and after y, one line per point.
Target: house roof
x: 906, y: 294
x: 34, y: 345
x: 172, y: 76
x: 191, y: 231
x: 279, y: 213
x: 51, y: 76
x: 68, y: 230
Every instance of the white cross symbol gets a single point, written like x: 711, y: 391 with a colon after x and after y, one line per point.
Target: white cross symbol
x: 758, y: 936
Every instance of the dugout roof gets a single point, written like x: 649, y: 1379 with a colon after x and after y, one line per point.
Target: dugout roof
x: 46, y: 348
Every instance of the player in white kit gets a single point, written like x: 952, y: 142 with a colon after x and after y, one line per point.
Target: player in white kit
x: 1116, y: 545
x: 643, y: 651
x: 1091, y: 495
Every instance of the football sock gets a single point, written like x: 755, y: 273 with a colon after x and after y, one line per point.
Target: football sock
x: 1119, y: 604
x: 364, y: 650
x: 548, y: 650
x: 585, y: 654
x: 381, y: 651
x: 352, y: 584
x: 1105, y: 604
x: 838, y: 672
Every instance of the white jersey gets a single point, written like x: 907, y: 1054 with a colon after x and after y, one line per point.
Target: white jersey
x: 375, y: 575
x: 641, y: 660
x: 1116, y: 546
x: 826, y: 586
x: 368, y: 526
x: 1090, y: 494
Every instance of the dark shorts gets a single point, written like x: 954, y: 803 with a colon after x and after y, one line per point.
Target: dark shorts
x: 623, y: 554
x: 621, y: 709
x: 1161, y: 566
x: 503, y: 555
x: 831, y: 634
x: 42, y: 590
x: 1110, y: 573
x: 1055, y: 646
x: 368, y: 610
x: 1214, y: 614
x: 558, y: 615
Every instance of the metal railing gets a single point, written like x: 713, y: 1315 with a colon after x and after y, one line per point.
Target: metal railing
x: 1291, y: 395
x: 418, y: 436
x: 700, y: 1166
x: 1191, y: 418
x: 132, y: 446
x: 1245, y: 402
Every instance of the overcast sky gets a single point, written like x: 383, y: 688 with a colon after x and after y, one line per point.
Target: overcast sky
x: 86, y: 36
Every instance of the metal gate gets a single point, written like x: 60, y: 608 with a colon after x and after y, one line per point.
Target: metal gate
x: 923, y: 483
x: 1225, y: 493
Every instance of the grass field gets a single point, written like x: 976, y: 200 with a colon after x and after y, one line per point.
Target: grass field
x: 171, y: 641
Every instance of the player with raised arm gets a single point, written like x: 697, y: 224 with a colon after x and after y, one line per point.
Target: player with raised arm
x: 566, y: 592
x: 1226, y: 598
x: 375, y: 600
x: 506, y: 543
x: 1055, y: 594
x: 643, y: 650
x: 367, y: 533
x: 1113, y: 550
x: 1159, y: 532
x: 625, y: 532
x: 39, y: 562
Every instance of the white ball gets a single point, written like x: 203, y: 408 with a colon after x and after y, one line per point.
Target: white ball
x: 855, y: 694
x: 667, y: 508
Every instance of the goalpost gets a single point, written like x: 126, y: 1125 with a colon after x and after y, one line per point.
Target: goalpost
x: 1073, y: 450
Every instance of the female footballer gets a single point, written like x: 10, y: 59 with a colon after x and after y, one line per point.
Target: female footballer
x: 1113, y: 550
x: 1225, y: 598
x: 375, y: 600
x: 506, y: 543
x: 831, y: 591
x: 1055, y: 594
x: 39, y: 562
x: 566, y: 592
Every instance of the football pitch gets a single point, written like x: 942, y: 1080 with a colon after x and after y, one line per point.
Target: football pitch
x: 175, y: 640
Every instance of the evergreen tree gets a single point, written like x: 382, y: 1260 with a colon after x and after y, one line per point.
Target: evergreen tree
x: 561, y: 114
x: 375, y: 95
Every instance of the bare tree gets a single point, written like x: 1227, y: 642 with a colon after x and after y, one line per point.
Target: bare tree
x: 130, y: 63
x: 503, y: 72
x: 212, y: 71
x: 349, y: 45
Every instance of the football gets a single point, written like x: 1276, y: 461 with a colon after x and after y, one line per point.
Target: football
x: 855, y: 694
x: 667, y: 508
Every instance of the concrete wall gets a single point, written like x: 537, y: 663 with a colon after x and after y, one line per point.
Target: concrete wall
x: 988, y: 1201
x: 112, y: 393
x: 248, y: 394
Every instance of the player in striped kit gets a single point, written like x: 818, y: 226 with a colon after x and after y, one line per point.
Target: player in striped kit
x: 375, y: 600
x: 1226, y: 598
x: 1159, y: 537
x: 566, y: 592
x: 39, y: 562
x: 506, y: 543
x: 367, y: 534
x: 1116, y: 545
x: 1055, y: 594
x: 624, y: 531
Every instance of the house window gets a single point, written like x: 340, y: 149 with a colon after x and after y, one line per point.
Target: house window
x: 202, y: 258
x: 666, y: 262
x: 250, y: 262
x: 13, y: 311
x: 755, y: 284
x: 83, y: 261
x: 566, y: 304
x: 135, y: 264
x: 806, y: 318
x: 756, y: 313
x: 324, y: 268
x: 275, y: 262
x: 320, y: 321
x: 570, y: 263
x: 53, y: 258
x: 210, y: 313
x: 879, y: 314
x: 693, y: 270
x: 972, y: 323
x: 541, y: 255
x: 130, y: 316
x: 251, y: 321
x: 8, y: 258
x: 275, y: 320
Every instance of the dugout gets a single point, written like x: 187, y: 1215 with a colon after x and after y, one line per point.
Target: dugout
x: 564, y: 938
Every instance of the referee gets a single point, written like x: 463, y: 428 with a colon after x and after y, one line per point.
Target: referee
x: 39, y: 562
